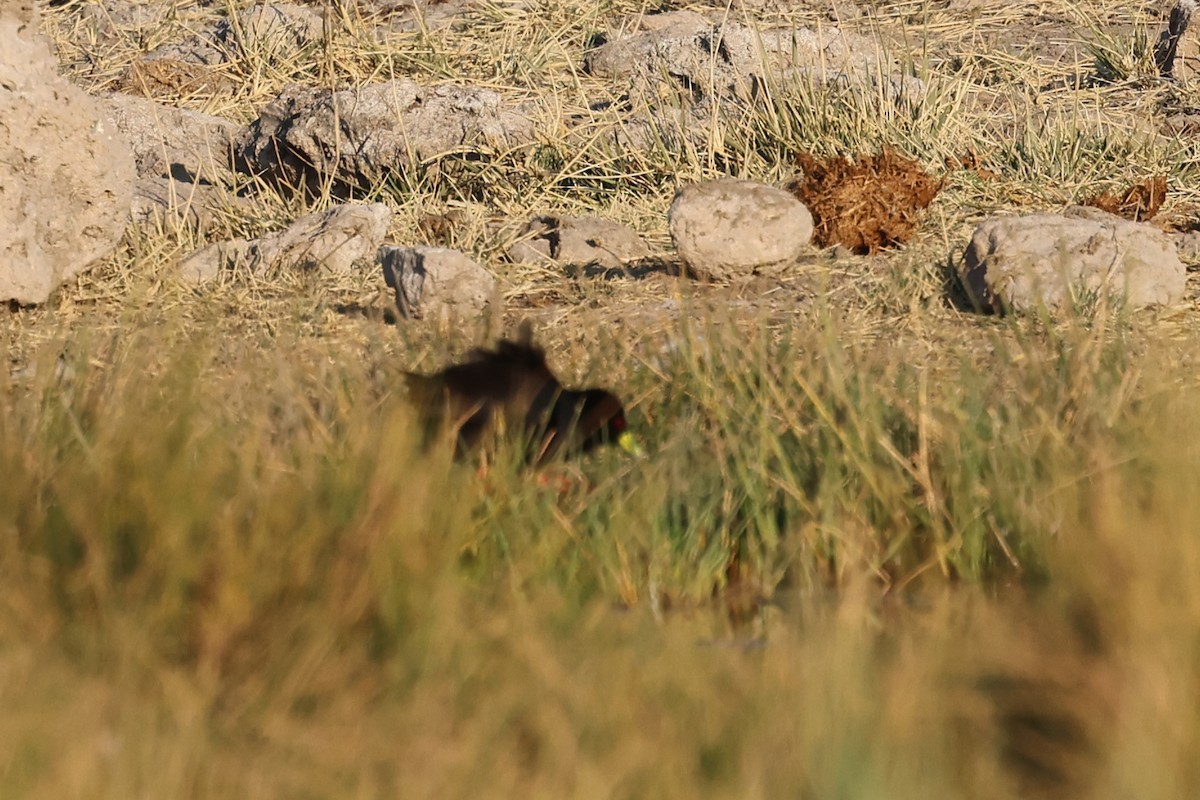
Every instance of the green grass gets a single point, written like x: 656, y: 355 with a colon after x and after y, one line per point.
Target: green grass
x: 878, y: 547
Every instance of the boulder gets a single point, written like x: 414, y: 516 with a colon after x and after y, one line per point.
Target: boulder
x: 690, y: 78
x: 66, y: 174
x: 193, y: 204
x: 351, y: 138
x: 701, y: 58
x: 437, y: 284
x: 728, y: 228
x: 335, y: 239
x: 173, y: 142
x: 274, y: 30
x: 1026, y: 262
x: 707, y: 59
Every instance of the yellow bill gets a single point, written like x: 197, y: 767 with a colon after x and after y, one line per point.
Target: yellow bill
x: 629, y: 444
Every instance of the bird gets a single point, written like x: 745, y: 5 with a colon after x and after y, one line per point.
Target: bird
x: 510, y: 389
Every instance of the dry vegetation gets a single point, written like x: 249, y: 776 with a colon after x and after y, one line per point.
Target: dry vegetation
x: 879, y: 546
x: 1139, y: 202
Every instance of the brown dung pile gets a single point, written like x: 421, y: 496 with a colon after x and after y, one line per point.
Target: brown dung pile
x: 868, y: 204
x: 1139, y: 202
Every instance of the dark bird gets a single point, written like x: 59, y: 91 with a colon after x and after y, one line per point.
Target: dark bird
x: 510, y: 390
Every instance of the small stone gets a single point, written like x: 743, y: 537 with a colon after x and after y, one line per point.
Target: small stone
x: 729, y: 228
x: 579, y: 241
x: 437, y: 284
x: 335, y: 239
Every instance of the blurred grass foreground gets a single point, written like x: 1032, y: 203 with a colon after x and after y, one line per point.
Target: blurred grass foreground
x: 840, y: 572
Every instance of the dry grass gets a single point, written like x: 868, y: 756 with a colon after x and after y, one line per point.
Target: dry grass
x: 879, y: 547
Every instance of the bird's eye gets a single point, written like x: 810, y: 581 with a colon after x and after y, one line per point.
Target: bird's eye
x: 617, y: 423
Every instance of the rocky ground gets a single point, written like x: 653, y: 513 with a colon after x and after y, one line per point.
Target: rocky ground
x: 242, y: 146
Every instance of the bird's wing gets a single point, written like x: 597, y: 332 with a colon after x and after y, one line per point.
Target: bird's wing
x: 425, y: 391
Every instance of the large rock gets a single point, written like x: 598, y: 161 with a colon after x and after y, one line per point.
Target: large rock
x: 728, y: 228
x: 180, y: 202
x: 702, y: 58
x: 66, y: 176
x: 408, y: 16
x: 1022, y: 263
x: 173, y: 142
x: 335, y: 240
x: 708, y: 59
x: 578, y: 241
x: 692, y: 79
x: 437, y: 284
x: 352, y: 138
x: 272, y: 31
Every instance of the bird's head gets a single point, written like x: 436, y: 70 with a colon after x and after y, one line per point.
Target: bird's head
x: 602, y: 421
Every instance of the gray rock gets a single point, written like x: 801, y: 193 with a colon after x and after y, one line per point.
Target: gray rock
x: 352, y: 138
x: 436, y: 284
x: 702, y: 58
x: 406, y: 16
x: 693, y: 77
x: 1187, y: 246
x: 578, y: 241
x: 728, y: 228
x: 1022, y: 263
x: 334, y: 239
x: 271, y: 30
x: 192, y: 204
x: 280, y: 27
x: 173, y: 142
x: 710, y: 59
x: 66, y: 175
